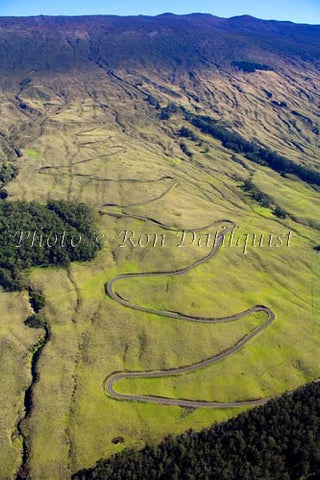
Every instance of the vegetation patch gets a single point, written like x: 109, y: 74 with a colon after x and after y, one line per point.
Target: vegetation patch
x: 250, y: 67
x: 255, y: 193
x: 167, y: 111
x: 8, y: 171
x: 117, y: 440
x: 185, y: 149
x: 188, y: 133
x: 37, y: 299
x: 252, y: 151
x: 34, y: 234
x: 154, y: 102
x: 36, y: 321
x: 262, y: 198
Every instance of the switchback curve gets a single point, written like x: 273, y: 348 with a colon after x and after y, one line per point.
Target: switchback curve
x: 110, y: 380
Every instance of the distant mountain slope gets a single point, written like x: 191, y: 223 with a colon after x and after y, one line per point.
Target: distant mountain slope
x: 261, y: 77
x: 167, y: 40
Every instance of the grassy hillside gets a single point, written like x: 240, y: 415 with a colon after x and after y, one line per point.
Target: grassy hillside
x: 278, y: 440
x: 110, y: 140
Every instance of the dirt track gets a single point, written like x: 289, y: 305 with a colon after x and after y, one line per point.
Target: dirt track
x: 114, y: 377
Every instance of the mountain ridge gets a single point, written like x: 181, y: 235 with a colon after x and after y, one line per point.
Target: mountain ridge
x: 164, y: 41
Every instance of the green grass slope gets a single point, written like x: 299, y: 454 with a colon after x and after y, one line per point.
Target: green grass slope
x: 101, y: 142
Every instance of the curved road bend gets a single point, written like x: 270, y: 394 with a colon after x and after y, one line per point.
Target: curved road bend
x: 115, y: 376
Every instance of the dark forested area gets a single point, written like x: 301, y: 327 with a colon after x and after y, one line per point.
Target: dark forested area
x: 250, y: 67
x: 278, y: 441
x: 262, y: 198
x: 252, y: 151
x: 33, y: 234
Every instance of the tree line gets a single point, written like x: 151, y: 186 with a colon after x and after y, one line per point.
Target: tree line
x: 262, y: 198
x: 252, y: 151
x: 33, y: 234
x: 8, y: 171
x: 278, y: 441
x: 251, y: 67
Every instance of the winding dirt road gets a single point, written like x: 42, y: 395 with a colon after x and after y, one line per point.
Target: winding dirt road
x: 110, y: 381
